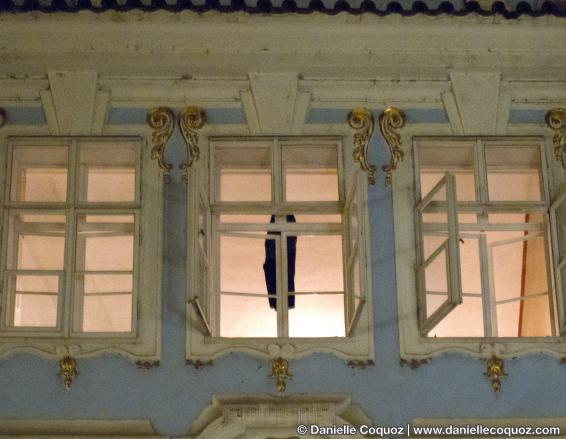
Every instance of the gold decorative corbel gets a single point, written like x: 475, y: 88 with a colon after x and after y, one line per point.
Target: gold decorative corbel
x: 495, y: 371
x: 556, y: 121
x: 162, y: 120
x: 191, y: 119
x: 280, y: 371
x: 413, y: 364
x: 68, y: 371
x: 359, y: 364
x: 3, y: 117
x: 390, y: 120
x: 147, y: 364
x: 199, y: 364
x: 361, y: 120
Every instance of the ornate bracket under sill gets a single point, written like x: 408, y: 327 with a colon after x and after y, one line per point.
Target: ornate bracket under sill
x: 280, y: 371
x: 191, y: 119
x: 3, y: 117
x: 361, y: 120
x: 360, y: 364
x: 198, y: 364
x: 413, y: 364
x: 162, y: 120
x: 68, y: 371
x: 390, y: 121
x: 495, y: 372
x: 556, y: 121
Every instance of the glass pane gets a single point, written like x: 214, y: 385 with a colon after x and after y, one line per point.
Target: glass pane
x: 39, y: 173
x: 37, y: 284
x: 515, y: 218
x: 434, y: 301
x: 107, y: 283
x: 36, y: 310
x: 105, y: 246
x: 432, y: 242
x: 107, y: 313
x: 513, y: 173
x: 534, y: 318
x: 466, y: 320
x: 436, y: 276
x: 318, y: 218
x: 319, y: 265
x: 435, y: 159
x: 244, y: 316
x: 107, y: 172
x: 310, y: 173
x: 470, y: 265
x: 250, y: 219
x: 320, y: 315
x: 37, y: 242
x: 243, y: 174
x: 247, y: 265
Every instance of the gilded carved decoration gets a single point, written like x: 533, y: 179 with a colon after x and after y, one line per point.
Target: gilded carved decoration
x: 413, y: 364
x: 495, y: 372
x: 360, y: 364
x: 390, y: 121
x: 280, y: 371
x: 68, y: 371
x: 361, y: 120
x: 3, y: 117
x: 191, y: 119
x: 162, y: 120
x: 144, y: 364
x: 556, y: 120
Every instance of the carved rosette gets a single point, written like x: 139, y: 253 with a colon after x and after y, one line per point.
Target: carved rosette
x: 191, y: 119
x: 68, y: 371
x: 495, y: 372
x: 390, y: 121
x: 280, y: 371
x: 162, y: 120
x: 556, y: 121
x: 361, y: 120
x: 3, y: 117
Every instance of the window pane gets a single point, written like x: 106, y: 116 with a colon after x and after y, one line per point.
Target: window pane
x: 310, y: 173
x: 436, y: 276
x: 308, y: 218
x: 250, y: 219
x: 37, y: 284
x: 105, y: 246
x: 39, y: 174
x: 245, y: 264
x: 319, y: 264
x: 37, y: 242
x: 513, y: 173
x: 320, y: 315
x: 107, y: 283
x: 243, y: 174
x: 466, y: 320
x: 36, y: 310
x: 458, y: 158
x: 470, y: 265
x: 107, y: 172
x: 107, y: 313
x: 244, y: 316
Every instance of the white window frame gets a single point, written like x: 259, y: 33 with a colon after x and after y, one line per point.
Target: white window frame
x: 143, y: 342
x: 415, y: 346
x: 201, y: 346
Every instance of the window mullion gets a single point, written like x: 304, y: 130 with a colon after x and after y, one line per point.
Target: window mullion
x: 282, y: 287
x: 489, y: 310
x: 277, y: 186
x: 481, y: 173
x: 69, y: 311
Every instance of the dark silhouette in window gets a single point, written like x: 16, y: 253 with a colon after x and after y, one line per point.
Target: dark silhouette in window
x: 270, y: 265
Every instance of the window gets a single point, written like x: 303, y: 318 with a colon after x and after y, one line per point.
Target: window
x: 485, y: 228
x: 277, y: 232
x: 73, y: 269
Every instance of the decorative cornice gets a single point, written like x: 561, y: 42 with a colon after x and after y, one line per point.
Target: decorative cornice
x: 68, y: 371
x: 3, y: 117
x: 495, y: 371
x: 162, y: 120
x: 556, y: 120
x: 191, y: 119
x: 361, y: 120
x: 390, y: 120
x: 498, y: 8
x: 280, y: 371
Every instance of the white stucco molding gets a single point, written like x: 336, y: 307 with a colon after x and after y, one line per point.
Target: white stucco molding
x: 273, y: 104
x: 73, y: 104
x: 260, y: 416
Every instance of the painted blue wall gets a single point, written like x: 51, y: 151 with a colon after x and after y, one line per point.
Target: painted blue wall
x: 172, y: 395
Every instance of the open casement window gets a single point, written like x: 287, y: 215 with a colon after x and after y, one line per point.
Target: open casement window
x: 74, y: 272
x: 439, y: 295
x: 558, y: 222
x: 508, y: 239
x: 276, y: 254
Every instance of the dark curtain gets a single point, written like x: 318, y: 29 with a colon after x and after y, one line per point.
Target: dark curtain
x: 270, y: 265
